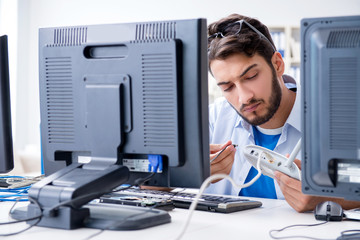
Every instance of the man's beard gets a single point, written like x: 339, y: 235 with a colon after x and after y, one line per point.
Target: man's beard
x: 274, y: 103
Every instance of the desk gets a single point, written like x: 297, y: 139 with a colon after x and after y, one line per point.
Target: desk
x: 249, y: 224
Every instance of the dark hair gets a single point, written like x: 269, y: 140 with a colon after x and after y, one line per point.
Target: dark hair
x: 246, y: 42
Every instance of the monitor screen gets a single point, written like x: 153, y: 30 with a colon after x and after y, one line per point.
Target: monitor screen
x: 330, y: 77
x: 127, y: 93
x: 6, y: 145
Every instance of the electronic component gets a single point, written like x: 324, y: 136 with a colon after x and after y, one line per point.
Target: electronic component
x: 12, y: 182
x: 140, y: 201
x: 272, y: 161
x: 207, y: 202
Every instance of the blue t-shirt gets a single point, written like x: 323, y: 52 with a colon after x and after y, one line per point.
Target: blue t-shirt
x: 264, y: 187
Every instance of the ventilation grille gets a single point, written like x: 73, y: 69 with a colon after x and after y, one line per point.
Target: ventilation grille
x: 155, y: 31
x: 69, y: 36
x: 158, y: 89
x: 343, y: 103
x: 344, y: 39
x: 59, y: 104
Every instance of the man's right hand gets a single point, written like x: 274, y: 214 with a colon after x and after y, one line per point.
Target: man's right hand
x: 223, y: 163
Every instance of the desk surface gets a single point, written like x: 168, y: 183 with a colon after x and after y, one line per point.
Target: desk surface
x: 248, y: 224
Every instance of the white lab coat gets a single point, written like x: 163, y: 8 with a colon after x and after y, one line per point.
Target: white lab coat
x: 226, y: 124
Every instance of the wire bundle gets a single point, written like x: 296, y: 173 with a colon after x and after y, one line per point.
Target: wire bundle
x: 19, y: 194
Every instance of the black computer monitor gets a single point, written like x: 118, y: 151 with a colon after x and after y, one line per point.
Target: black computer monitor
x: 330, y: 79
x: 6, y: 145
x: 118, y: 93
x: 114, y: 98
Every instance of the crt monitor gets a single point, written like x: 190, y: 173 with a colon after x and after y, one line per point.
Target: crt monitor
x: 6, y: 145
x: 330, y: 77
x: 126, y: 93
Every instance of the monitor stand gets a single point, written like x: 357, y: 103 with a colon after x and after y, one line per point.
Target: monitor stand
x: 63, y: 195
x: 114, y: 216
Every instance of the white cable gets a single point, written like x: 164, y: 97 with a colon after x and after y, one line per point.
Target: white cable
x: 205, y: 185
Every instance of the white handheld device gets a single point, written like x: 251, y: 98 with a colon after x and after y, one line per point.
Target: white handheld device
x: 272, y: 161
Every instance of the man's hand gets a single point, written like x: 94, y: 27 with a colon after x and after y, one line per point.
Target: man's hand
x: 223, y: 163
x: 291, y: 188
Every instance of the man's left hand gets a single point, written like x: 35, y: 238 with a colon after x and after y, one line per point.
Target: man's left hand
x: 291, y: 188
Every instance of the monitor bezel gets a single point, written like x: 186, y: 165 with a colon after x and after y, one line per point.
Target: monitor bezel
x: 6, y: 141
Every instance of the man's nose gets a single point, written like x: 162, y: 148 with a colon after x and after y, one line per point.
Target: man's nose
x: 244, y: 94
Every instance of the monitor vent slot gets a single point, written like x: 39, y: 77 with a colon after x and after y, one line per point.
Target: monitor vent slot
x: 155, y: 31
x: 344, y: 39
x: 59, y: 100
x: 158, y: 90
x: 343, y: 103
x: 74, y: 36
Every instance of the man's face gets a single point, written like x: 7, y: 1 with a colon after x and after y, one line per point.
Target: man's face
x: 250, y: 85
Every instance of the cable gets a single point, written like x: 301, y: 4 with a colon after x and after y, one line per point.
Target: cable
x: 95, y: 234
x: 23, y: 220
x: 10, y: 176
x: 16, y: 193
x: 297, y: 236
x: 140, y: 180
x: 352, y: 234
x: 18, y: 186
x: 205, y: 185
x: 113, y: 225
x: 137, y: 182
x: 51, y: 211
x: 26, y: 219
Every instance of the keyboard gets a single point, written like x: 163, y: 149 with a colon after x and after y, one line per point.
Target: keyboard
x: 207, y: 202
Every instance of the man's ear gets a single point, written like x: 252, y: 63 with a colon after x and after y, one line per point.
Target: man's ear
x: 278, y: 64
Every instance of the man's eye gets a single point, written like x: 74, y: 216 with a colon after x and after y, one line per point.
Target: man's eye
x: 228, y: 89
x: 251, y: 77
